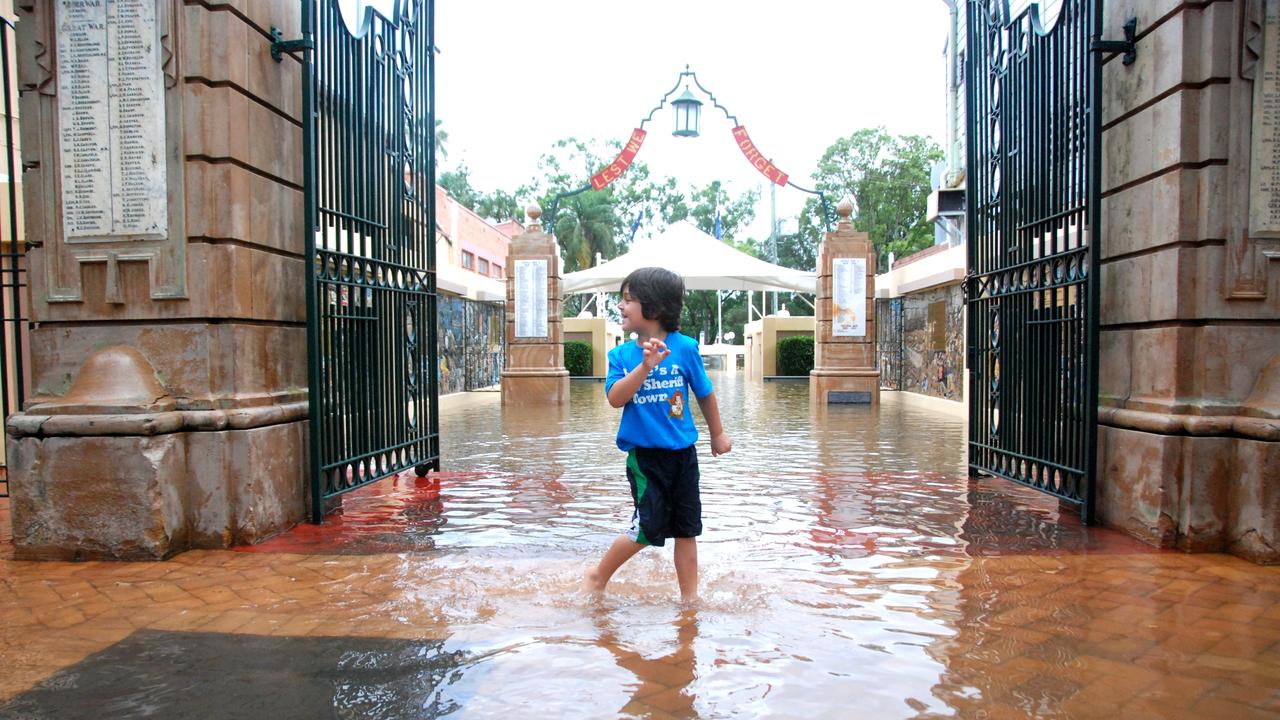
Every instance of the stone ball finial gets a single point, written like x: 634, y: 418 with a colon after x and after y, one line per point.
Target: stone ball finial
x: 534, y: 211
x: 845, y: 208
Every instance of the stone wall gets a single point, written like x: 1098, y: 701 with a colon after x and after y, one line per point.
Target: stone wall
x: 1190, y: 336
x: 214, y: 313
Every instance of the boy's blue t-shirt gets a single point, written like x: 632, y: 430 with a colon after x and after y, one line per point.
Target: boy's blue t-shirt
x: 659, y: 415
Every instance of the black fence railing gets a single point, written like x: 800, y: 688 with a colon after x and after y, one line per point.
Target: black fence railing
x: 890, y: 342
x: 472, y: 344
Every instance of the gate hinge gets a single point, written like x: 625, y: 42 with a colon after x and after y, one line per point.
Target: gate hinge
x: 1128, y: 46
x: 279, y: 47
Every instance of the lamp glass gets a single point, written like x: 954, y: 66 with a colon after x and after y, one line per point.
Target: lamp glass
x: 686, y: 113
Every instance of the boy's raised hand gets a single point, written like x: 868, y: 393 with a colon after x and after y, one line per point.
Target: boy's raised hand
x: 655, y: 351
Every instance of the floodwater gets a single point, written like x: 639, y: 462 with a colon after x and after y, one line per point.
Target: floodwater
x: 849, y: 569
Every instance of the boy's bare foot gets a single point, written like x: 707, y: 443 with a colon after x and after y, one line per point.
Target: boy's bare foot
x: 690, y: 602
x: 591, y: 584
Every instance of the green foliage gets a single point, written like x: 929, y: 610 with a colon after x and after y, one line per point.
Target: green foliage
x: 585, y: 225
x: 599, y: 222
x: 795, y: 355
x: 497, y: 206
x: 441, y: 140
x: 888, y: 177
x: 699, y: 206
x: 577, y: 358
x: 458, y: 184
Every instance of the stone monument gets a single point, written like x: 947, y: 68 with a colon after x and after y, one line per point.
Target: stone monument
x: 163, y: 165
x: 844, y: 368
x: 535, y: 372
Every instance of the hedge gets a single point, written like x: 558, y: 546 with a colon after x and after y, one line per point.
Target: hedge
x: 577, y: 358
x: 795, y: 355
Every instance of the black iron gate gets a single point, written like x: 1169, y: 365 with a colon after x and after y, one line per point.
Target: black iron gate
x: 13, y: 257
x: 1033, y: 99
x: 369, y: 171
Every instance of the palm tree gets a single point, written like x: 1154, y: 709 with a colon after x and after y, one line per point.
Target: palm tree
x: 442, y: 137
x: 585, y: 226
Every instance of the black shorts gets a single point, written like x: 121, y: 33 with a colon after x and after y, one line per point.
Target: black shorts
x: 664, y: 486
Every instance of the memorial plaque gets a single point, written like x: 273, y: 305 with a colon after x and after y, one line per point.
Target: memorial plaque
x: 849, y: 297
x: 111, y: 120
x: 531, y: 299
x: 1264, y: 174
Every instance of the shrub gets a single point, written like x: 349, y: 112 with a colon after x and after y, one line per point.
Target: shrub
x: 577, y: 358
x: 795, y: 355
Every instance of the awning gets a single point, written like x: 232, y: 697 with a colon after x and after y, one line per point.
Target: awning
x: 704, y: 262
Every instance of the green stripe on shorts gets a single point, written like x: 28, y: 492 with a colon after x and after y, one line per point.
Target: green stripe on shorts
x: 642, y: 483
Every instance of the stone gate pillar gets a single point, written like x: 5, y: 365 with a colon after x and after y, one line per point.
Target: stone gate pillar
x: 164, y: 209
x: 535, y: 372
x: 844, y: 351
x: 1189, y: 375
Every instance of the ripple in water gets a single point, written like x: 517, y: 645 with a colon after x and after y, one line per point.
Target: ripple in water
x: 842, y: 566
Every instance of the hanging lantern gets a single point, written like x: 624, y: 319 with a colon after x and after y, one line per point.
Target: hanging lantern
x: 688, y: 110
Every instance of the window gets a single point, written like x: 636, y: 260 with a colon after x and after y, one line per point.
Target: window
x: 497, y: 271
x: 468, y: 260
x: 484, y: 267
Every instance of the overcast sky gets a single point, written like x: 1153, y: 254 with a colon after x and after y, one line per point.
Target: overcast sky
x: 515, y: 76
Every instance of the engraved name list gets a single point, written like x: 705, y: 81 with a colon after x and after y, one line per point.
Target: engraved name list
x: 111, y: 120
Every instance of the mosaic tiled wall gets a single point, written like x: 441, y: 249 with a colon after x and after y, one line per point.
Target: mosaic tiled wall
x: 921, y: 342
x: 471, y: 344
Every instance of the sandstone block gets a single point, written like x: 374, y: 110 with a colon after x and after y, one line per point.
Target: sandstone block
x: 1189, y: 126
x: 84, y: 498
x: 228, y: 202
x: 1184, y: 49
x: 546, y: 389
x: 223, y: 123
x: 1138, y: 483
x: 1253, y: 531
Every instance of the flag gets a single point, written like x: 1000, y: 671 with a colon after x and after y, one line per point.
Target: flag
x: 636, y: 225
x: 719, y: 225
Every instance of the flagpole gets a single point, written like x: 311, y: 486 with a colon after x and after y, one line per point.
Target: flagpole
x: 719, y: 230
x: 719, y: 317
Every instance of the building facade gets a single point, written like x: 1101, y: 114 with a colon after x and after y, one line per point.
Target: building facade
x: 471, y: 277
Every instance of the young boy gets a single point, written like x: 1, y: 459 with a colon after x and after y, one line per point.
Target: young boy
x: 651, y: 379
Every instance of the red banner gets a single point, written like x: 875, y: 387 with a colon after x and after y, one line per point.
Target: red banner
x: 619, y: 165
x: 749, y: 149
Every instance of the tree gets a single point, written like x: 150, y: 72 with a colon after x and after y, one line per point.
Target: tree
x: 599, y: 222
x: 700, y: 208
x: 442, y: 138
x: 497, y: 206
x: 888, y: 177
x: 458, y: 184
x: 585, y: 224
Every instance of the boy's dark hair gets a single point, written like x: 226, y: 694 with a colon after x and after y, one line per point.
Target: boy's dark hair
x: 660, y: 293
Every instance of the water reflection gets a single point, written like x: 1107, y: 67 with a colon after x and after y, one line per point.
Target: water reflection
x: 849, y: 569
x: 663, y: 679
x: 826, y: 563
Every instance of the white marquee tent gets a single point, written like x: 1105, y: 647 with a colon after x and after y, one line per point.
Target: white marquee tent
x: 704, y: 262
